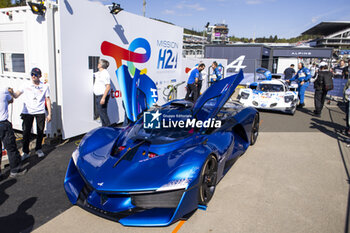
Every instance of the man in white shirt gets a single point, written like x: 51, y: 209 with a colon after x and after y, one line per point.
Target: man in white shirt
x: 7, y: 137
x: 35, y: 95
x: 101, y: 89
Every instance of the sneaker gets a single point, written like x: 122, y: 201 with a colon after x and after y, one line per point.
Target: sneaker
x: 317, y: 114
x: 24, y: 156
x: 40, y: 153
x: 17, y: 174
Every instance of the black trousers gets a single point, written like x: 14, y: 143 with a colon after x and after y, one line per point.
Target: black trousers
x: 199, y: 87
x: 320, y: 97
x: 192, y: 89
x: 7, y: 137
x: 347, y: 110
x: 102, y: 110
x: 27, y: 128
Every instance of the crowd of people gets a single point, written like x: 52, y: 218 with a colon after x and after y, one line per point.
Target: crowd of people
x: 322, y: 76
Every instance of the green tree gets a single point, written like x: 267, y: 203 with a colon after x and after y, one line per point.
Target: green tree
x: 5, y: 3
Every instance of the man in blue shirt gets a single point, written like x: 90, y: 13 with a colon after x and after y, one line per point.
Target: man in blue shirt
x: 302, y: 77
x: 192, y: 83
x: 216, y: 72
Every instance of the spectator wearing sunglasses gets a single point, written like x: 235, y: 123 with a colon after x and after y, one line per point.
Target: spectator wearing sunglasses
x: 35, y: 95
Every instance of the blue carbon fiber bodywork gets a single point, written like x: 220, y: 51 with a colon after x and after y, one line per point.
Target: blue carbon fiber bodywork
x: 139, y: 93
x: 112, y: 175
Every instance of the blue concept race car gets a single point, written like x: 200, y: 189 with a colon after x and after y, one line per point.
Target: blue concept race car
x: 153, y: 173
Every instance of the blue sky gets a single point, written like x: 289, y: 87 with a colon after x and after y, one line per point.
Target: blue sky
x: 244, y: 17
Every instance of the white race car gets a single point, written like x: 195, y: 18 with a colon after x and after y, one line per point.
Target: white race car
x: 270, y: 95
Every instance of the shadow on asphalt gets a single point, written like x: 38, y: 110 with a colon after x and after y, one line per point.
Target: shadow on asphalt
x: 337, y: 134
x: 30, y: 162
x: 306, y: 111
x: 342, y: 106
x: 3, y: 195
x: 336, y: 131
x: 274, y: 112
x: 10, y: 223
x: 43, y: 183
x: 34, y: 159
x: 332, y: 129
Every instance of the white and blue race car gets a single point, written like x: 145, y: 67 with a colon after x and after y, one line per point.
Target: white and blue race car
x: 270, y: 95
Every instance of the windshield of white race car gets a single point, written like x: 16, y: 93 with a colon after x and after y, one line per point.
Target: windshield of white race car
x: 270, y: 87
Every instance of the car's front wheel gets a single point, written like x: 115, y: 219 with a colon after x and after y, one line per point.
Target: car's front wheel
x: 255, y: 130
x: 208, y: 180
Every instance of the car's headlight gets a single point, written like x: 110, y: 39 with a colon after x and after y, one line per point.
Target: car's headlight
x: 288, y: 98
x: 244, y: 95
x: 175, y: 184
x: 75, y: 155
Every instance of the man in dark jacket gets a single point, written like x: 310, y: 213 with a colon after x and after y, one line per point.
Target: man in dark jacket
x: 347, y: 99
x: 320, y: 88
x: 289, y: 72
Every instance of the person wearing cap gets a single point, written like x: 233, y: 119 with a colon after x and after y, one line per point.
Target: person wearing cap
x: 7, y: 136
x: 35, y: 95
x: 302, y: 77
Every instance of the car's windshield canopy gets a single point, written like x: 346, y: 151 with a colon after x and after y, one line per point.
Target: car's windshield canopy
x: 170, y: 128
x: 270, y: 87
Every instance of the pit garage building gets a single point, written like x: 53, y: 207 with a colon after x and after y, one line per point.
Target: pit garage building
x: 249, y: 57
